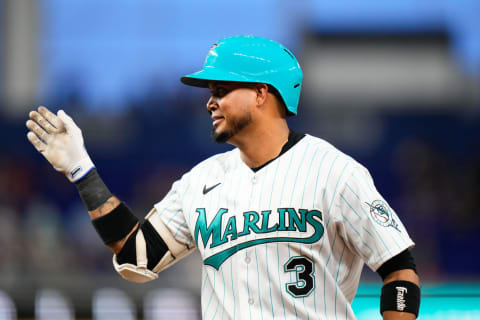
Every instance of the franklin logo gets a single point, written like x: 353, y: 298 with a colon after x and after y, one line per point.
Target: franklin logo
x: 401, y: 298
x: 74, y: 172
x: 381, y: 214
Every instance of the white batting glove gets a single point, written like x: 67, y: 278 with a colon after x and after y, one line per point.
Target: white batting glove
x: 60, y: 141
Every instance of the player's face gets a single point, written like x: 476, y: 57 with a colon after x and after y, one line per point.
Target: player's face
x: 230, y: 107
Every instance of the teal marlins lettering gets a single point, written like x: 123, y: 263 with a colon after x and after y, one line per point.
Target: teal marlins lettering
x: 288, y: 220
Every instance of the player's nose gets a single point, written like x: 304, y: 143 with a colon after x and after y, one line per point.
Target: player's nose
x: 211, y: 104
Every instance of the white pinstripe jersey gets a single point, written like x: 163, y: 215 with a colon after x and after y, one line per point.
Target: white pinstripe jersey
x: 288, y: 241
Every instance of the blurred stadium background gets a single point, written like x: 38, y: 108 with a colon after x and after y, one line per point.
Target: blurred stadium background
x: 394, y: 83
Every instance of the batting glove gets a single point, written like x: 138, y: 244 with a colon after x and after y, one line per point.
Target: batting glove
x: 60, y: 141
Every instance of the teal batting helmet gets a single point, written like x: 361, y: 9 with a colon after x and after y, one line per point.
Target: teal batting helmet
x: 255, y: 60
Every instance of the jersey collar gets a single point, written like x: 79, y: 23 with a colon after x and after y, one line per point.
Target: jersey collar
x: 293, y: 138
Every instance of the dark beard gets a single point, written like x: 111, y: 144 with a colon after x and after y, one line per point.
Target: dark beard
x: 238, y: 125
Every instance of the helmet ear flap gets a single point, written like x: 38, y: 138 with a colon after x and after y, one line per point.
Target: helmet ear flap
x: 280, y: 100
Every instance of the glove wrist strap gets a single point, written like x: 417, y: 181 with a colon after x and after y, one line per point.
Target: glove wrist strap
x: 80, y: 170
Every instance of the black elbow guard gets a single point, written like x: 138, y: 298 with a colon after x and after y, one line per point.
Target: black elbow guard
x: 146, y: 253
x: 156, y: 247
x: 128, y: 254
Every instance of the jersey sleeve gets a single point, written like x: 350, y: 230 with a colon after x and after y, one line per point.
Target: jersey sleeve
x: 366, y: 221
x: 171, y: 211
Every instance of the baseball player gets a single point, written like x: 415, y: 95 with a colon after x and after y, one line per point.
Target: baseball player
x: 284, y: 222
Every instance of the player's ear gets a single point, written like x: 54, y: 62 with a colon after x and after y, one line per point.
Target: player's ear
x: 262, y: 93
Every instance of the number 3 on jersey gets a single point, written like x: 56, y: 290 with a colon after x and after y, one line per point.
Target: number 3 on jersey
x: 305, y: 280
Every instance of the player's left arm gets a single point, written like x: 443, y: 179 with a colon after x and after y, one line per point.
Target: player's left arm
x: 375, y: 232
x: 400, y: 298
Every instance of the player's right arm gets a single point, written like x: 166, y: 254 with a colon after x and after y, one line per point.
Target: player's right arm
x: 141, y: 250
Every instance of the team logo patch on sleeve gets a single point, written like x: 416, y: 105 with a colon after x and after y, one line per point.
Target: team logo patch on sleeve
x: 381, y: 214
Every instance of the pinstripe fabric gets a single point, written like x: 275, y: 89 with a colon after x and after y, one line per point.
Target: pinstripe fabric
x: 259, y: 232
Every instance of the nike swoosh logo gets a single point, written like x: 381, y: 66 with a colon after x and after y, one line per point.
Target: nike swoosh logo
x: 207, y: 190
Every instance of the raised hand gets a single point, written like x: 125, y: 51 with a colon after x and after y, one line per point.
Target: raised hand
x: 60, y: 141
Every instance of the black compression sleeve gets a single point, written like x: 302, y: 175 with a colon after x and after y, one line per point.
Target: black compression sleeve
x: 93, y: 190
x: 403, y: 260
x: 115, y: 225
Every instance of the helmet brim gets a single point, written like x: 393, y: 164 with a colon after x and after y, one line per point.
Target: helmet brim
x: 203, y: 77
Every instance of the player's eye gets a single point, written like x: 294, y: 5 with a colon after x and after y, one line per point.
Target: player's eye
x: 220, y: 92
